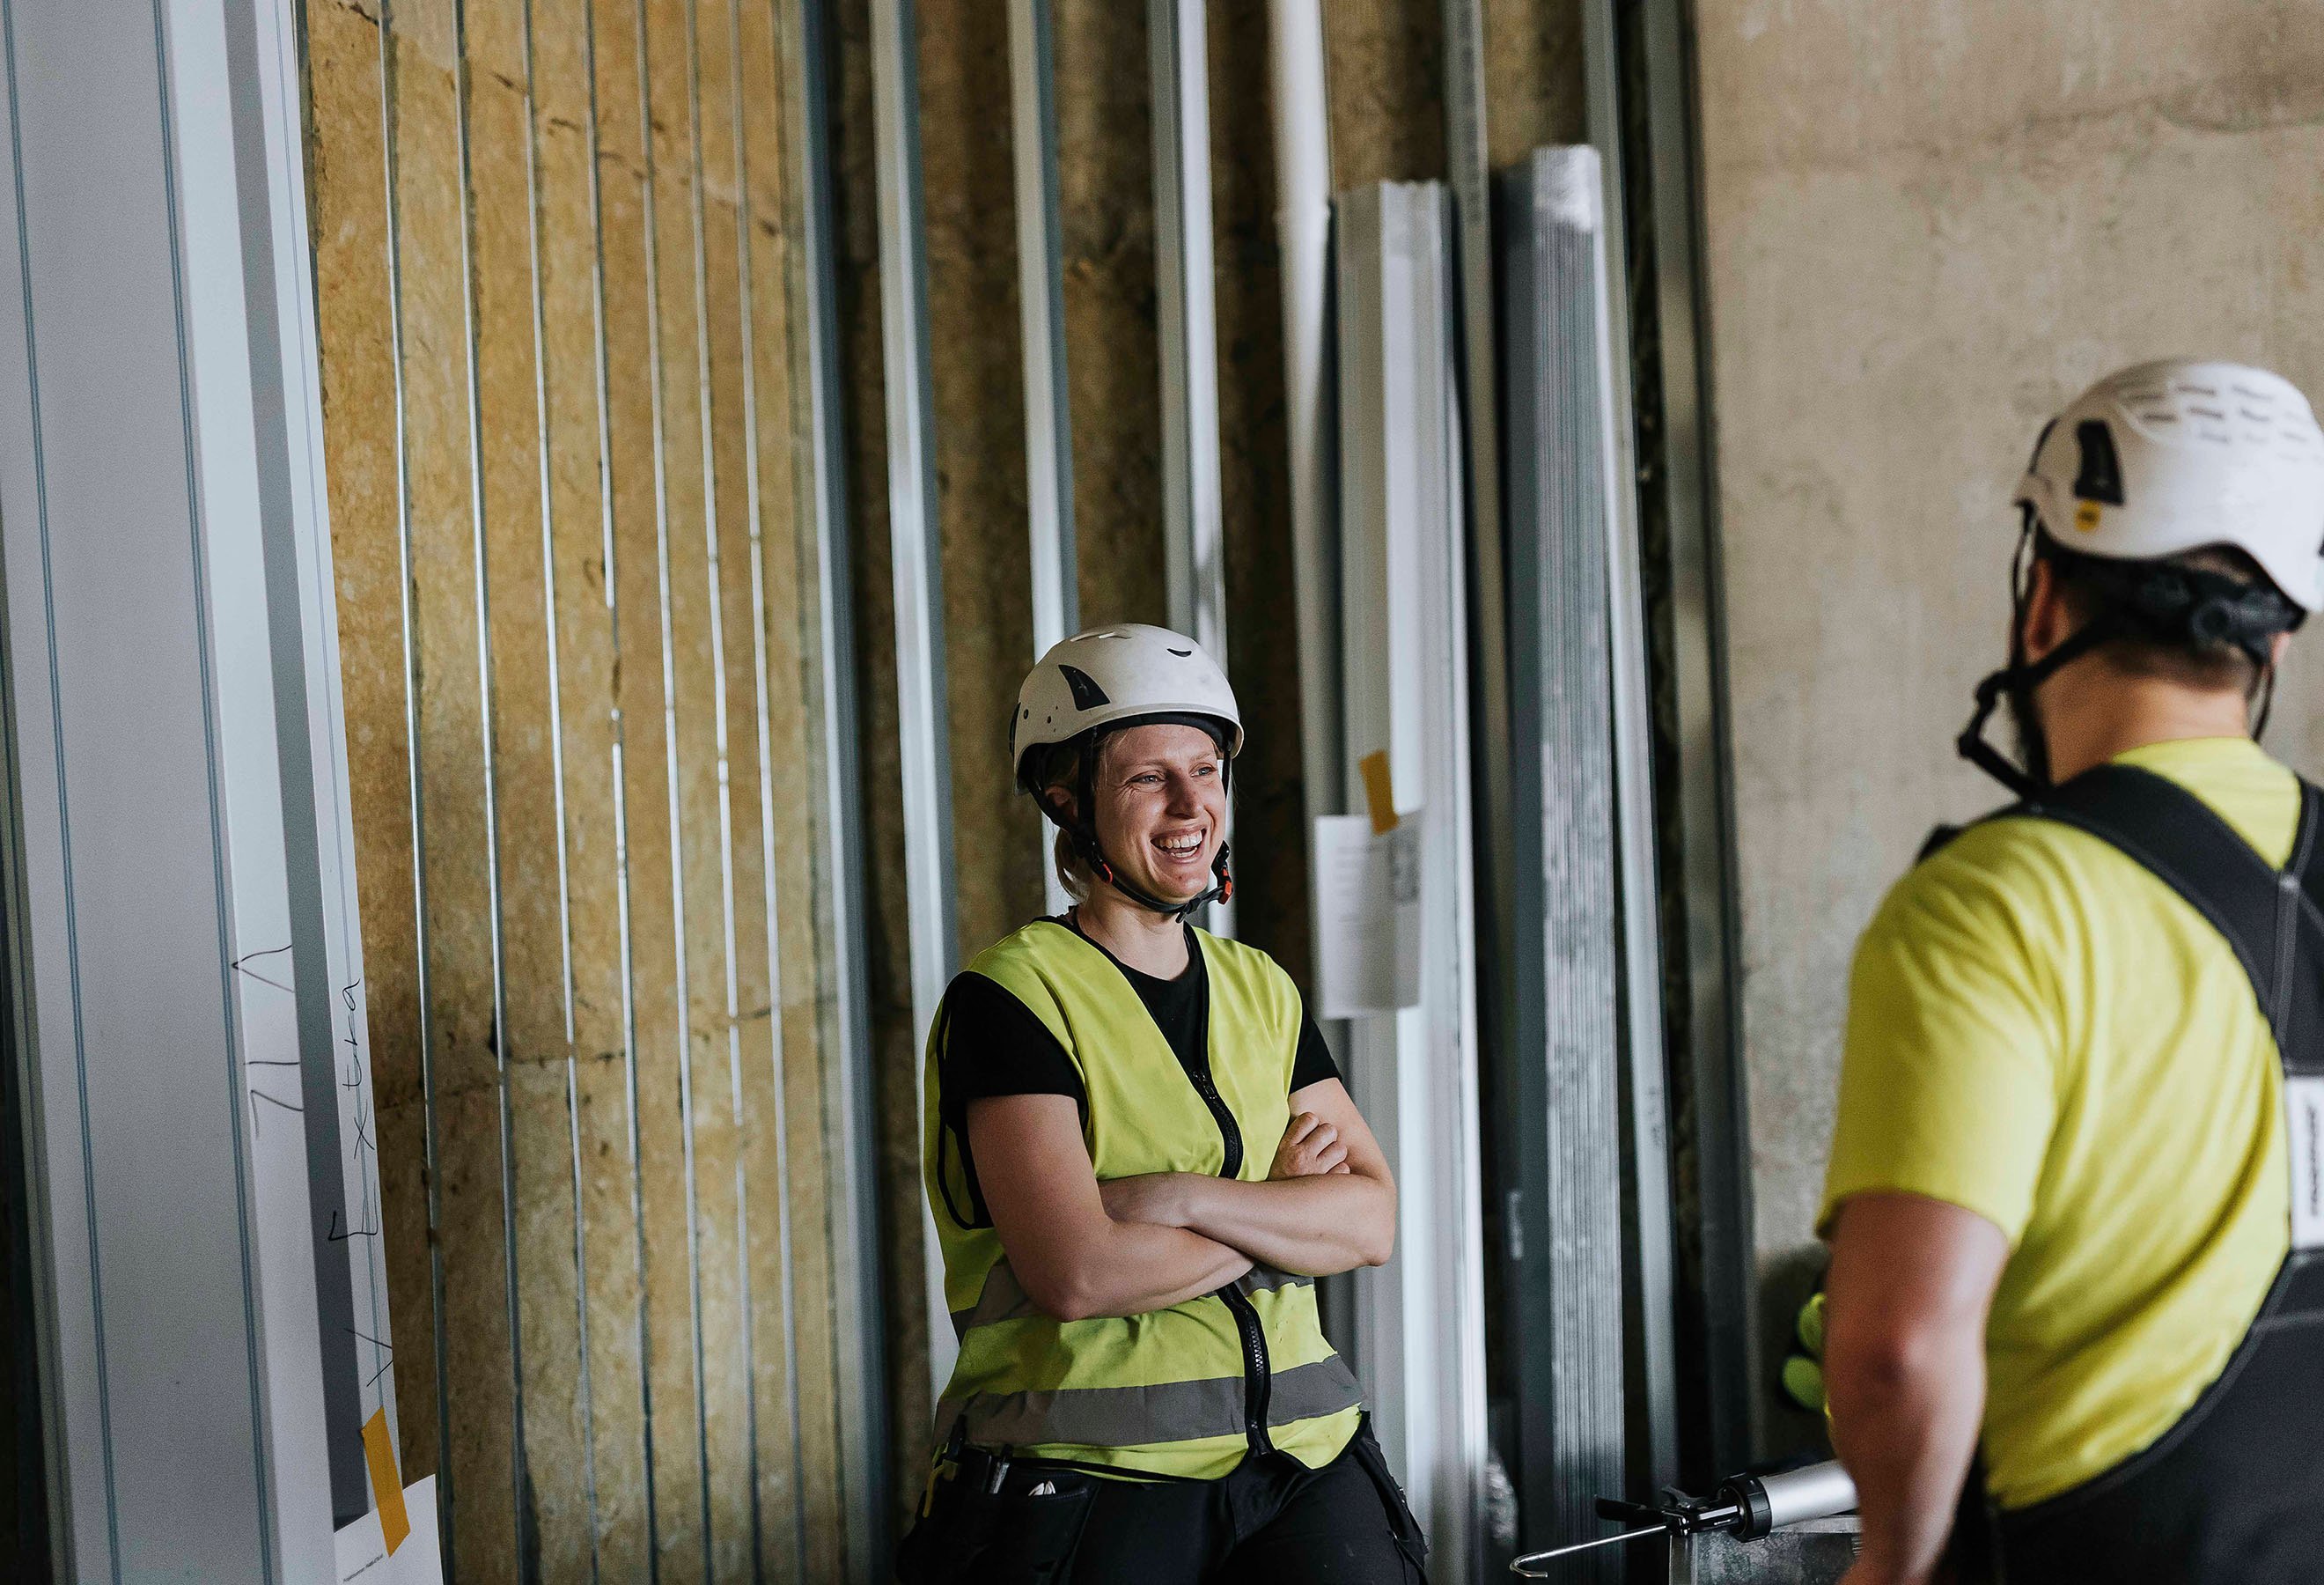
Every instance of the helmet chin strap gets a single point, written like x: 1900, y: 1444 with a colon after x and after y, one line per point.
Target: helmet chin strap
x: 1221, y: 888
x: 2201, y: 603
x: 2018, y: 679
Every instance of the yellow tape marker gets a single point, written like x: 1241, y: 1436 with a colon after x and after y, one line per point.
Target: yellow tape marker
x: 386, y: 1484
x: 1379, y: 792
x: 2086, y: 516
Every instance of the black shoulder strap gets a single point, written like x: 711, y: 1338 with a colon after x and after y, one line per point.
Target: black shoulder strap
x: 2273, y: 918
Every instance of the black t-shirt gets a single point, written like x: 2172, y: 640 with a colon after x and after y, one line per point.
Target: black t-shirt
x: 994, y: 1045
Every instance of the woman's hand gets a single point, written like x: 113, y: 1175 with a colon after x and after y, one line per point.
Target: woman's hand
x: 1311, y: 1147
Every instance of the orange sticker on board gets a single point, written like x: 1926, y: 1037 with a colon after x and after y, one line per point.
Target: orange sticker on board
x: 386, y: 1483
x: 1379, y: 792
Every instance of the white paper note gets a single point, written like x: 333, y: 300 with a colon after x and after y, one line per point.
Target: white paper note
x: 1366, y: 915
x: 418, y: 1561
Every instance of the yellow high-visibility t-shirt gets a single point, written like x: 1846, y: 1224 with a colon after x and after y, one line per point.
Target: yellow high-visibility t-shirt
x: 2042, y: 1033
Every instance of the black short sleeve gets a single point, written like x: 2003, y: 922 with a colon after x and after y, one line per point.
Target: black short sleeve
x: 1313, y: 1064
x: 994, y: 1045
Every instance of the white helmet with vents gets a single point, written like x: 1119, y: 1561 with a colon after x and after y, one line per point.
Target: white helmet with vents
x: 2173, y: 456
x: 1118, y: 676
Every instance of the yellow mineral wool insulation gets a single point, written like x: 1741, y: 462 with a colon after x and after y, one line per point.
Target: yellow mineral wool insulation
x: 575, y: 593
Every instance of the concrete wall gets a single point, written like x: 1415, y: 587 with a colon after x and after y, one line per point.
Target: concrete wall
x: 1928, y: 226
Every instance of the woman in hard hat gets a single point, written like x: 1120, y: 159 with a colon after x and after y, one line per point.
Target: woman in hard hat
x: 1140, y: 1156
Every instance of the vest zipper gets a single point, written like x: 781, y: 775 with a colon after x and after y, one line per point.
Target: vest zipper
x: 1256, y: 1382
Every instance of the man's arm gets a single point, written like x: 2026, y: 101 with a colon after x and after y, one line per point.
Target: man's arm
x: 1317, y: 1223
x: 1073, y: 1259
x: 1912, y: 1279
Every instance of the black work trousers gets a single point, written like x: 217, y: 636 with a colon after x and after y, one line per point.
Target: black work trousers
x: 1272, y: 1521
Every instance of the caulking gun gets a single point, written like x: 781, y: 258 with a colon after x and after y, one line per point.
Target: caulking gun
x: 1746, y: 1506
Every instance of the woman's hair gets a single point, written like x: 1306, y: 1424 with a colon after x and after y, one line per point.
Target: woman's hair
x: 1056, y: 767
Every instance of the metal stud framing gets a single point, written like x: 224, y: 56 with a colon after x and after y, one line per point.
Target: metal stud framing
x: 1565, y: 1214
x: 556, y: 763
x: 1419, y: 1321
x: 1643, y: 51
x: 1187, y: 312
x: 852, y: 1203
x: 1635, y: 825
x: 1186, y: 315
x: 1040, y: 296
x: 681, y: 1060
x: 916, y: 562
x: 1465, y: 145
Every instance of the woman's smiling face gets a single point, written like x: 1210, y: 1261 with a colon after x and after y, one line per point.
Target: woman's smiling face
x: 1161, y: 807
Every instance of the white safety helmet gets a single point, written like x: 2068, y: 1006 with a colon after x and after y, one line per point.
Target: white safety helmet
x: 1112, y: 679
x: 2174, y: 456
x: 2145, y: 466
x: 1116, y: 677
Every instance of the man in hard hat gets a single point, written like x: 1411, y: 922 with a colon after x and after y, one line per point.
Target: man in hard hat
x: 2076, y: 1178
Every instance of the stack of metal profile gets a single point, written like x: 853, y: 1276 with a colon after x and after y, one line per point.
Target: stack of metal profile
x: 1562, y: 1163
x: 1419, y: 1320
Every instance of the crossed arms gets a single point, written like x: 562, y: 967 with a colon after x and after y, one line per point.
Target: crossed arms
x: 1081, y: 1248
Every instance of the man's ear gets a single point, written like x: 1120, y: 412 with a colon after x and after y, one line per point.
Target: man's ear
x: 2045, y: 622
x: 1060, y: 803
x: 2275, y: 648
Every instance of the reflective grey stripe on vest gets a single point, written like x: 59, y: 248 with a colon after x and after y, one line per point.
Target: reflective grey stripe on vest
x: 1134, y: 1416
x: 1004, y: 1300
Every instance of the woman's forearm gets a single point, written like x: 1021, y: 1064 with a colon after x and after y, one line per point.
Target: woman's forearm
x: 1140, y: 1267
x: 1313, y: 1226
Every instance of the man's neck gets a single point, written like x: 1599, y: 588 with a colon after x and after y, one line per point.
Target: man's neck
x: 2089, y: 719
x: 1152, y: 943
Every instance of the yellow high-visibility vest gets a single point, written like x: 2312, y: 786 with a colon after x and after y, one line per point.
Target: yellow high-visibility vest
x: 1185, y: 1391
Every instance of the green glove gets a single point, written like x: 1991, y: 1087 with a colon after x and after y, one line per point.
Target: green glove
x: 1803, y: 1383
x: 1803, y: 1370
x: 1809, y: 1328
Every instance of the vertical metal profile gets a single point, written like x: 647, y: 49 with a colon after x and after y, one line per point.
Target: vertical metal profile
x: 1041, y: 308
x: 853, y: 1205
x: 1186, y: 316
x: 1636, y: 827
x: 1188, y: 319
x: 1465, y: 157
x: 679, y: 967
x: 1674, y: 384
x: 1419, y: 1322
x: 1303, y: 167
x: 617, y: 774
x: 1565, y: 1214
x: 924, y: 749
x: 269, y: 200
x: 557, y: 768
x: 754, y: 509
x: 445, y: 1494
x: 519, y: 1480
x: 716, y: 605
